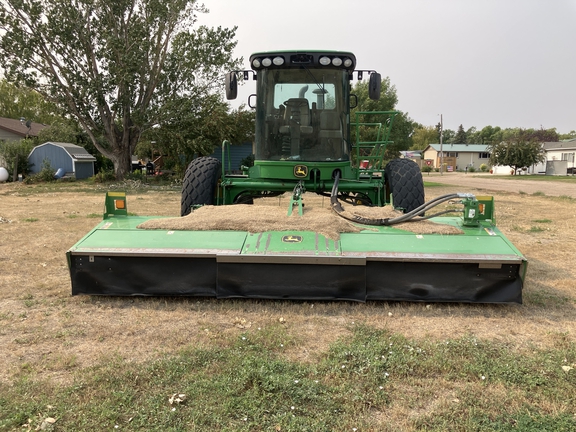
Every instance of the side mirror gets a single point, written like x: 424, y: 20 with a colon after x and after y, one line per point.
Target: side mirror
x: 374, y: 86
x: 231, y: 85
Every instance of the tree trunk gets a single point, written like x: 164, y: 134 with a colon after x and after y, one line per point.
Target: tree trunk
x: 122, y: 165
x: 121, y: 156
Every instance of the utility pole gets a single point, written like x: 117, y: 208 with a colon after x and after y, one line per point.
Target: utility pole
x: 441, y: 151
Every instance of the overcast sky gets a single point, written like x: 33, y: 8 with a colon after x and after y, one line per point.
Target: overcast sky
x: 507, y: 63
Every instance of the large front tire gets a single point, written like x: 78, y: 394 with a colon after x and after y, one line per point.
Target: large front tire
x: 404, y: 182
x: 200, y: 182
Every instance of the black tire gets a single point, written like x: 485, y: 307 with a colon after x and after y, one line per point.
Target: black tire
x: 200, y: 182
x: 404, y: 181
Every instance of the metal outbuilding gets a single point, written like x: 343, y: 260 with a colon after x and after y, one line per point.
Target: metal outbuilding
x: 72, y: 159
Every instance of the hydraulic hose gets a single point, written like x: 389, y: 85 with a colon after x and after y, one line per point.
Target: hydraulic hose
x: 411, y: 216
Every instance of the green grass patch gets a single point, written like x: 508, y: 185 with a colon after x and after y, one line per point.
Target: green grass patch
x: 544, y: 298
x: 433, y: 184
x: 542, y: 221
x: 538, y: 193
x: 32, y: 219
x: 86, y: 186
x: 250, y: 384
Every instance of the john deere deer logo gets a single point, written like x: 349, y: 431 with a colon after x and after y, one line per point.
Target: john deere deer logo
x: 291, y: 239
x: 300, y: 171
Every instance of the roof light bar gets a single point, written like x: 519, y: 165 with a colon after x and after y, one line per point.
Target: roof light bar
x: 297, y: 59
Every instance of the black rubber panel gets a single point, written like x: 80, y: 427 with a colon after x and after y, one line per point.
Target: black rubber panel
x: 378, y: 280
x: 443, y: 282
x: 404, y: 182
x: 291, y: 281
x: 200, y: 181
x: 143, y: 276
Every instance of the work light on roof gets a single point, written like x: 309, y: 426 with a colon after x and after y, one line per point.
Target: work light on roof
x: 256, y: 63
x: 266, y: 62
x: 347, y: 62
x: 278, y: 61
x: 337, y: 61
x: 324, y: 61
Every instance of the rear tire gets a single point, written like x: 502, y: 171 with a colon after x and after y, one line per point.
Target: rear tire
x: 404, y: 182
x: 200, y: 182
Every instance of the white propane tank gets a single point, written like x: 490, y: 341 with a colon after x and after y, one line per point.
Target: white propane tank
x: 3, y: 174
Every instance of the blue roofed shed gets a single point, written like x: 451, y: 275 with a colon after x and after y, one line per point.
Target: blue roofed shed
x: 73, y: 159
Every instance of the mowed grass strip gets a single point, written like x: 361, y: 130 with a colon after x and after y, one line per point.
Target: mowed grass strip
x: 371, y: 379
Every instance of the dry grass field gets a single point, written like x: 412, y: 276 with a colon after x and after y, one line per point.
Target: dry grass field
x: 53, y: 340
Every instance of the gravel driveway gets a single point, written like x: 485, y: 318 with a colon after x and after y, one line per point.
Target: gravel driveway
x: 488, y: 182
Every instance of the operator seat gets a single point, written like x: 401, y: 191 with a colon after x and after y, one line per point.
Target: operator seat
x: 297, y: 114
x: 296, y: 127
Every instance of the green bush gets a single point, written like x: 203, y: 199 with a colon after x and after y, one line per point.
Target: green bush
x: 426, y: 168
x: 46, y: 174
x: 20, y: 149
x: 103, y: 177
x: 483, y: 167
x: 471, y: 169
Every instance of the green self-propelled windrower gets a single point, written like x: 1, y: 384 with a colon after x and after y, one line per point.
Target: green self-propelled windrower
x: 306, y: 142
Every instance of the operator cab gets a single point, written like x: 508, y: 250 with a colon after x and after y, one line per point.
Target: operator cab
x: 302, y: 104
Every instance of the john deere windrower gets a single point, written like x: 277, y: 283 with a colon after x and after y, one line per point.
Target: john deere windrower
x: 306, y: 142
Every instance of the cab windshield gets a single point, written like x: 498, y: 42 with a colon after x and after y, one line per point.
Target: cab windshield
x: 301, y: 114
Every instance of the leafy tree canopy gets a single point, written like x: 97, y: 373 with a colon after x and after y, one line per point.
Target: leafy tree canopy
x: 520, y: 150
x: 115, y: 66
x: 191, y: 128
x: 17, y: 102
x: 424, y: 136
x: 568, y: 136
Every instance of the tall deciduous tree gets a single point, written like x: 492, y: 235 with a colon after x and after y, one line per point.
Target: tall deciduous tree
x: 520, y: 150
x: 114, y: 65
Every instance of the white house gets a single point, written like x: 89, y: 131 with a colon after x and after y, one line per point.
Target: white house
x: 561, y: 151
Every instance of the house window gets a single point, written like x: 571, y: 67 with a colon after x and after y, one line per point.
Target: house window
x: 569, y: 157
x: 451, y: 154
x: 483, y: 155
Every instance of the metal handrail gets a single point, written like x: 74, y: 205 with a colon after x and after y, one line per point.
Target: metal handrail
x: 375, y: 157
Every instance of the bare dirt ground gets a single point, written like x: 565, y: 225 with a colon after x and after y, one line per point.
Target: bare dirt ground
x: 489, y: 182
x: 46, y: 330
